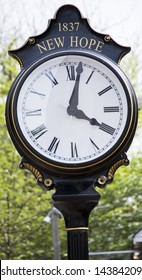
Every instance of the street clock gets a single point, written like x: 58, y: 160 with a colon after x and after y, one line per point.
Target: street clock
x: 71, y: 112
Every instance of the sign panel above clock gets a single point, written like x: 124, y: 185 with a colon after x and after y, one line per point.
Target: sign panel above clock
x: 68, y: 31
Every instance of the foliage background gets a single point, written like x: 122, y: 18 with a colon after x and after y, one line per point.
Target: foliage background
x: 23, y: 205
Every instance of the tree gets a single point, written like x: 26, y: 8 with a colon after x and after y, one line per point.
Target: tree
x: 118, y: 215
x: 23, y: 205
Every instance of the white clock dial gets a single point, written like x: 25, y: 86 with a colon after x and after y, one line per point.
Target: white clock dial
x: 72, y: 109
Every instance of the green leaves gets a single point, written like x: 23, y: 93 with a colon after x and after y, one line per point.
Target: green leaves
x: 23, y: 205
x: 118, y: 215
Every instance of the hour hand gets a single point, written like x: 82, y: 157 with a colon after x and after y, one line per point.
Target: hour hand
x: 79, y: 114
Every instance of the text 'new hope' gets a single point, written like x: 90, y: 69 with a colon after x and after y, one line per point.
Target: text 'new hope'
x: 72, y: 42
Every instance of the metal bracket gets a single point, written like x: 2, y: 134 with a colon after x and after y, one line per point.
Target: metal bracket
x: 107, y: 176
x: 42, y: 179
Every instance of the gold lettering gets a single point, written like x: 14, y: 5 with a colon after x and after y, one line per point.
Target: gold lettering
x: 73, y: 41
x: 42, y: 47
x: 59, y: 41
x: 83, y: 42
x: 92, y: 43
x: 50, y: 44
x: 68, y: 26
x: 99, y: 46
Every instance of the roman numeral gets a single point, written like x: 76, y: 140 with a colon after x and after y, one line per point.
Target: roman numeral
x: 38, y: 93
x: 94, y: 145
x: 90, y: 77
x: 54, y: 145
x: 111, y: 109
x: 104, y: 90
x: 33, y: 113
x: 74, y: 152
x: 106, y: 128
x: 39, y: 131
x: 70, y: 72
x: 52, y: 79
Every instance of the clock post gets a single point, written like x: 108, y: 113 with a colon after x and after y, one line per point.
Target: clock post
x: 76, y: 206
x: 72, y: 115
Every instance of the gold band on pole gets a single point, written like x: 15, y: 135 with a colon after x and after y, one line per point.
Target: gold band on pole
x: 77, y: 228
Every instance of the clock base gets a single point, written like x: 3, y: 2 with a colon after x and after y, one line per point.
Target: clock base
x: 75, y: 198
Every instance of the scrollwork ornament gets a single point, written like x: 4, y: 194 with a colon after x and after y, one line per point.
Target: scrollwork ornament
x: 47, y: 183
x: 113, y: 169
x: 33, y: 170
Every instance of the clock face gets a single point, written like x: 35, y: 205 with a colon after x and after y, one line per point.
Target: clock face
x: 72, y: 110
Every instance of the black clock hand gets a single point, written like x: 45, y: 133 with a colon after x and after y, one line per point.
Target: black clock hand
x: 73, y: 102
x: 79, y: 114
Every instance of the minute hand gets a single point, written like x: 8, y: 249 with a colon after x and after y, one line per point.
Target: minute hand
x: 73, y: 102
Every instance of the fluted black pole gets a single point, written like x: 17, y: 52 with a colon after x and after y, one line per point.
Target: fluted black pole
x: 77, y: 242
